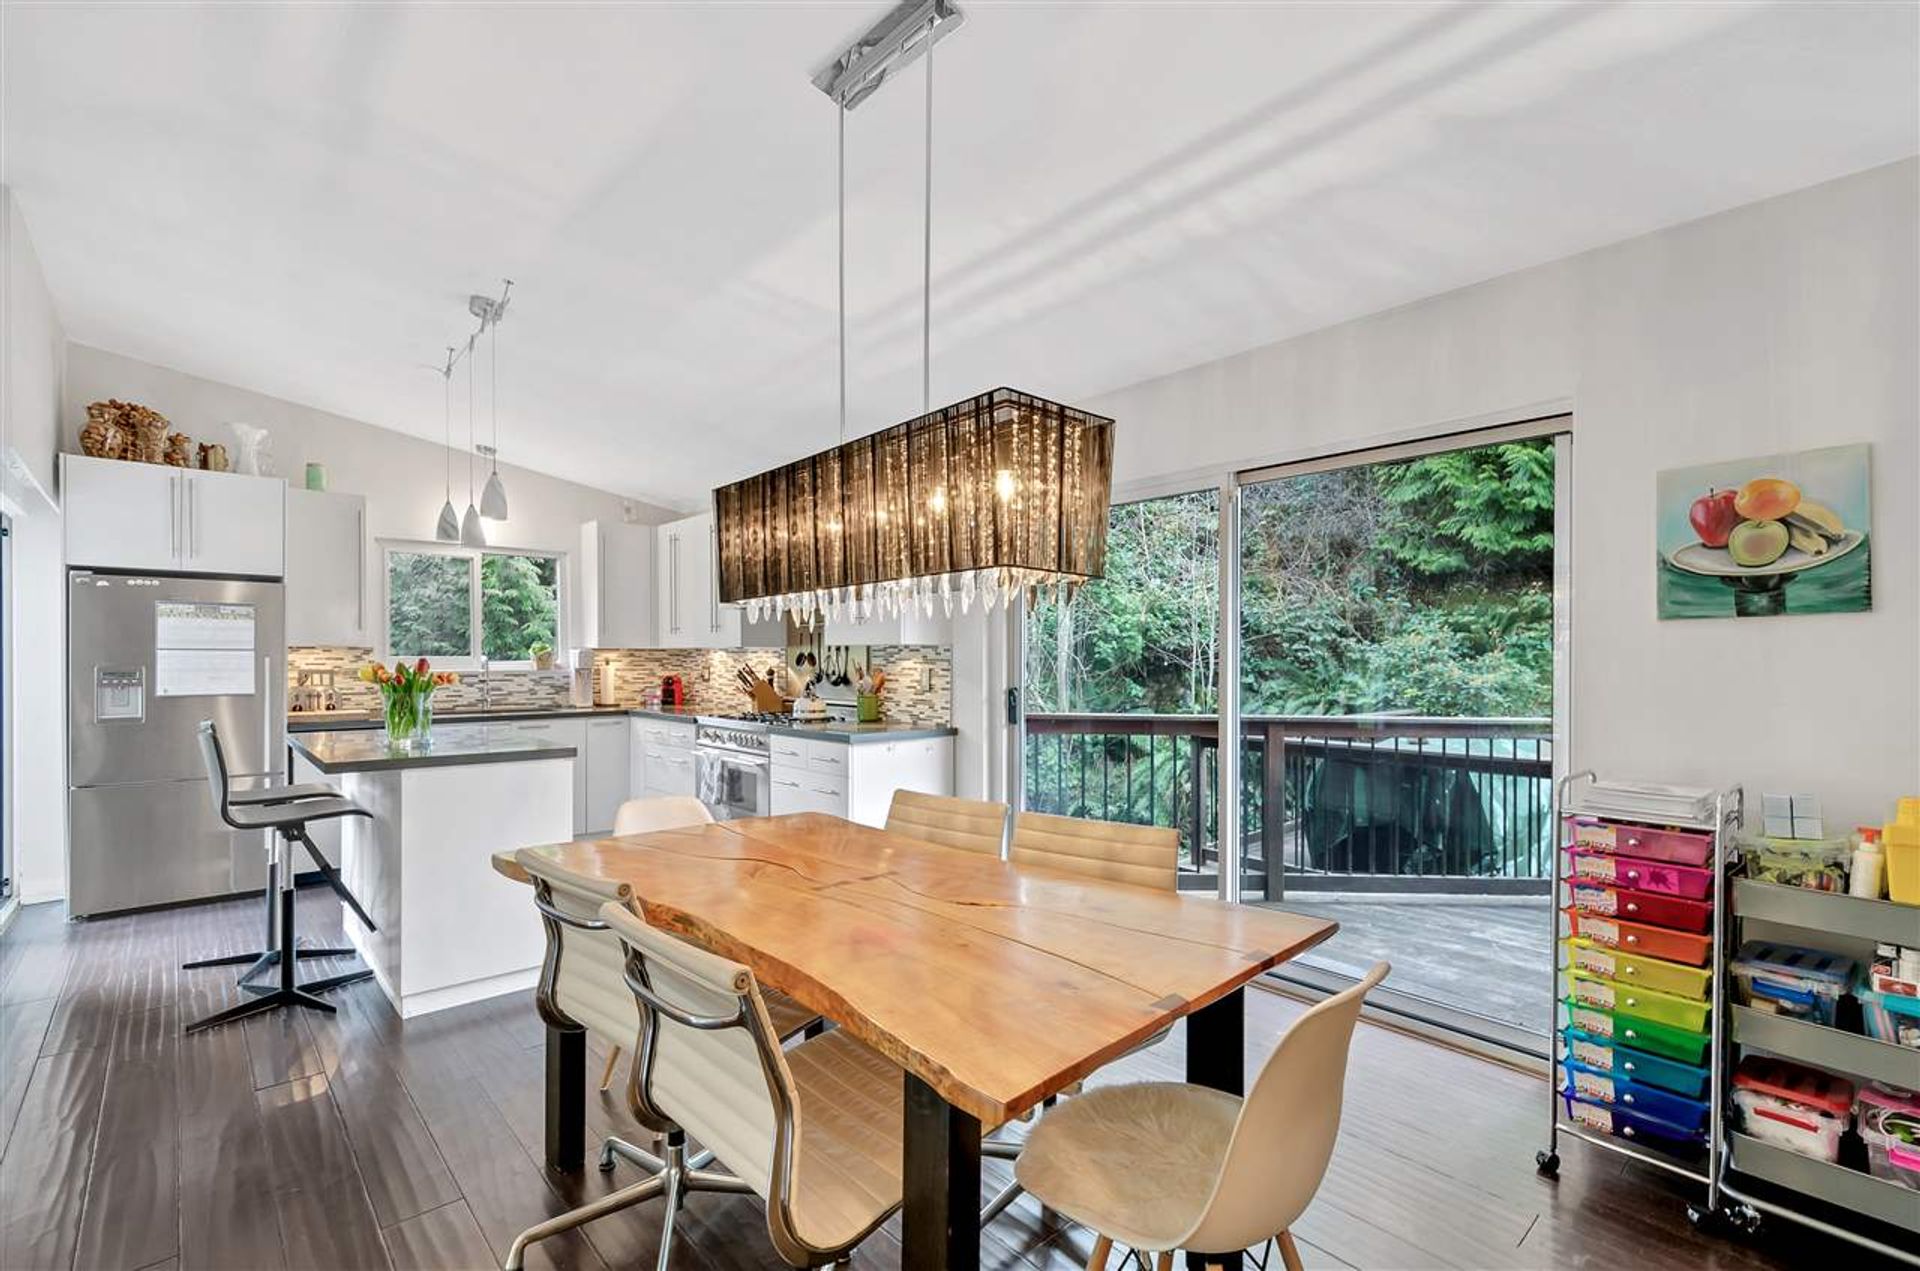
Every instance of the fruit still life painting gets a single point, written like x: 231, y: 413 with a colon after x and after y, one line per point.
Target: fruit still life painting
x: 1780, y: 534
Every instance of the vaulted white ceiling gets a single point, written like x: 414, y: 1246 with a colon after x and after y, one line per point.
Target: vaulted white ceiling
x: 298, y: 199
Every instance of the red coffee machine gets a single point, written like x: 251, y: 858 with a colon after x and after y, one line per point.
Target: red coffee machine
x: 673, y: 693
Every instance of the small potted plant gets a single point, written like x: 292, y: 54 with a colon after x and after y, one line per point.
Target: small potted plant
x: 406, y: 695
x: 542, y: 654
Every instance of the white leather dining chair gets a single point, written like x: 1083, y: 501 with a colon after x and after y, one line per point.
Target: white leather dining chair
x: 814, y: 1130
x: 1160, y: 1166
x: 673, y: 812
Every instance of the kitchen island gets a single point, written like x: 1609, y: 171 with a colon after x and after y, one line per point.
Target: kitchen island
x: 450, y: 930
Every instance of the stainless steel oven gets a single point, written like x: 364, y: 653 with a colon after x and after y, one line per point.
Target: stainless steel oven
x: 732, y: 768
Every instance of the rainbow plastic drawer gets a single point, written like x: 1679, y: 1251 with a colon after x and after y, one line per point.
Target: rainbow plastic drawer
x: 1655, y: 942
x: 1680, y: 847
x: 1603, y: 1055
x: 1647, y: 1004
x: 1595, y: 1086
x: 1641, y: 906
x: 1634, y: 968
x: 1644, y: 875
x: 1641, y: 1034
x: 1628, y: 1123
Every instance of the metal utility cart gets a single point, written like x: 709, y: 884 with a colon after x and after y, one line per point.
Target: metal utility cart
x: 1704, y: 1170
x: 1823, y: 920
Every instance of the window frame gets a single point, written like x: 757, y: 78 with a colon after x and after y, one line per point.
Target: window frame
x: 475, y: 635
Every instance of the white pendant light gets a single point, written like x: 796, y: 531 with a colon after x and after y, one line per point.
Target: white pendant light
x: 471, y: 535
x: 493, y: 499
x: 448, y: 528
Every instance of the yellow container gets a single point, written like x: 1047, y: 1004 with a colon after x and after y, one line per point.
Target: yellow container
x: 1901, y: 843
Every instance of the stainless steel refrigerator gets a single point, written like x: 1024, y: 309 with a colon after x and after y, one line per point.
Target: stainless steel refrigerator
x: 148, y: 657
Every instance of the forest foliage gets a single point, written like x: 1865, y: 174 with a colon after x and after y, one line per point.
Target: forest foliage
x: 1423, y: 587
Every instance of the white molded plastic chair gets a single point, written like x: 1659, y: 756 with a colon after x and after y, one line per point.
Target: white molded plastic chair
x: 660, y: 812
x: 1160, y: 1166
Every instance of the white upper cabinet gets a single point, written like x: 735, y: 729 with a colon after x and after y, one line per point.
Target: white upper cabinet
x: 120, y: 515
x: 327, y: 569
x: 689, y: 614
x: 617, y: 587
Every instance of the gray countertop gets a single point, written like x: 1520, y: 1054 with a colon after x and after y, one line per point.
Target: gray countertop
x: 854, y: 734
x: 307, y: 724
x: 364, y: 750
x: 331, y: 721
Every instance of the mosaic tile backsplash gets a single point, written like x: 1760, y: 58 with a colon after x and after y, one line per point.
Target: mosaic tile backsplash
x: 919, y: 679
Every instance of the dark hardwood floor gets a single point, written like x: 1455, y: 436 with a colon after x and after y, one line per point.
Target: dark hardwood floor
x: 352, y: 1141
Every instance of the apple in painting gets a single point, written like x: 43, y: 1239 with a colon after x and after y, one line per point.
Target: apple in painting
x: 1754, y: 543
x: 1713, y: 517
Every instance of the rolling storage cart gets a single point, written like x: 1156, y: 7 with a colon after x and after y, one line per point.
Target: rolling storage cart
x: 1796, y: 916
x: 1637, y: 986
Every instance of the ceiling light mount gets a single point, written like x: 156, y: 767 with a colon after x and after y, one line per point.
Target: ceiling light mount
x: 890, y: 45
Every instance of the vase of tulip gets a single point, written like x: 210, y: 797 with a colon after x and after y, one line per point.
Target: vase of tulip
x: 406, y: 699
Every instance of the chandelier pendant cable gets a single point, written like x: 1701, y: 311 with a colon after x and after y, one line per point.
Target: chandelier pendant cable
x: 926, y: 249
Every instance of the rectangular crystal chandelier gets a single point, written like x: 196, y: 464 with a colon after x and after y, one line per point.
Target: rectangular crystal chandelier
x: 994, y: 495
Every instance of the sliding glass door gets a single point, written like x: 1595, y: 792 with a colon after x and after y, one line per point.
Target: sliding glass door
x: 1397, y: 671
x: 1385, y: 671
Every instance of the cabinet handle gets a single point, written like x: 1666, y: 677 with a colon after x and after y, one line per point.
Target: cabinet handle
x: 830, y: 793
x: 790, y: 785
x: 673, y: 583
x: 173, y: 517
x: 360, y: 569
x: 193, y: 518
x: 600, y: 601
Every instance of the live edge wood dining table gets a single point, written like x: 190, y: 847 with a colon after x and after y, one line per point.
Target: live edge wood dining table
x: 992, y: 984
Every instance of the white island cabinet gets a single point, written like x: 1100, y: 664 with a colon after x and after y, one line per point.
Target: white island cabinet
x: 449, y: 930
x: 854, y: 775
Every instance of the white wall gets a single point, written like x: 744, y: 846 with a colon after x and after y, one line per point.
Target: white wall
x: 34, y: 727
x: 1783, y: 325
x: 403, y: 478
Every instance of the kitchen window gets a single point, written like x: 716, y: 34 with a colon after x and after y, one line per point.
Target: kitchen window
x: 456, y: 605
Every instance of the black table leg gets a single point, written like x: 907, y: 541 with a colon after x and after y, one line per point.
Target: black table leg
x: 1217, y: 1057
x: 566, y: 1098
x: 940, y: 1220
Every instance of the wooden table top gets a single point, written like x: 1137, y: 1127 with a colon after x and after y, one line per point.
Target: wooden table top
x: 997, y: 984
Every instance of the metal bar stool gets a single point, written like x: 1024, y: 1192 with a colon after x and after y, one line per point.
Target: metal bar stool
x: 285, y: 813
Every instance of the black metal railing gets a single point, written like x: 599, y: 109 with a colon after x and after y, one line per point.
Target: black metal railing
x: 1362, y: 802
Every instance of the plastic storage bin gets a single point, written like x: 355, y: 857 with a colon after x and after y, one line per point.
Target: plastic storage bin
x: 1641, y: 906
x: 1680, y: 847
x: 1621, y: 1028
x: 1634, y: 937
x: 1801, y: 1109
x: 1683, y: 1013
x: 1888, y: 1121
x: 1644, y: 875
x: 1603, y: 1055
x: 1889, y: 1017
x: 1595, y: 1086
x: 1788, y: 980
x: 1628, y: 1123
x: 1634, y: 968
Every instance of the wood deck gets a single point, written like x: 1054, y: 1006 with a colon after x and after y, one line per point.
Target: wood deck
x: 1488, y: 955
x: 352, y: 1141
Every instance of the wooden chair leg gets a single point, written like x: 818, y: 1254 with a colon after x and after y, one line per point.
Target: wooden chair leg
x: 1289, y: 1254
x: 606, y: 1078
x: 1097, y: 1260
x: 1163, y: 1261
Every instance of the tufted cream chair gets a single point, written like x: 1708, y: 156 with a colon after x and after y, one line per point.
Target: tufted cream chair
x: 1144, y: 855
x: 814, y: 1130
x: 1141, y: 855
x: 1160, y: 1166
x: 971, y: 825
